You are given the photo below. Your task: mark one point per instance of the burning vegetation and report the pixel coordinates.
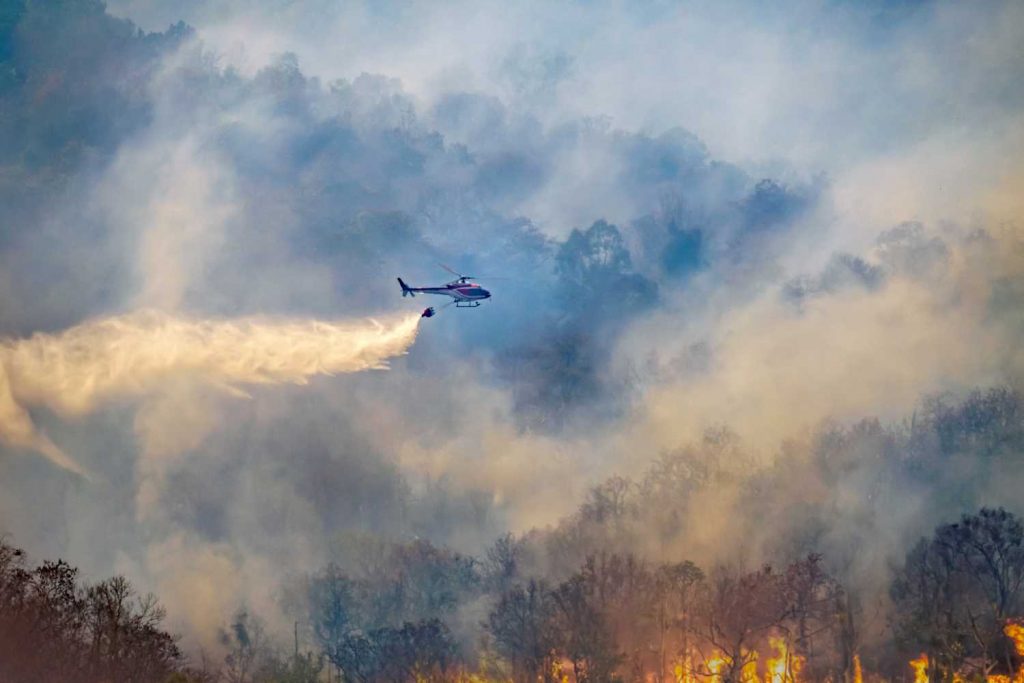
(404, 612)
(649, 580)
(135, 169)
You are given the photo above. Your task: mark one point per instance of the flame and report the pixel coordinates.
(683, 671)
(558, 673)
(714, 665)
(784, 667)
(748, 674)
(920, 667)
(858, 672)
(1014, 630)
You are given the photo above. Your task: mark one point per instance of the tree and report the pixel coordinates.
(54, 628)
(421, 651)
(416, 652)
(609, 501)
(584, 634)
(593, 268)
(986, 424)
(771, 204)
(298, 668)
(815, 600)
(956, 590)
(384, 627)
(622, 590)
(250, 654)
(522, 627)
(501, 565)
(431, 579)
(44, 626)
(333, 613)
(675, 588)
(736, 613)
(125, 642)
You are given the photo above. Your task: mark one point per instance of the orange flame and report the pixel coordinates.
(1014, 630)
(920, 667)
(558, 673)
(748, 674)
(714, 666)
(784, 667)
(683, 671)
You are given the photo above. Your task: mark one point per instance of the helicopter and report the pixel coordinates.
(465, 294)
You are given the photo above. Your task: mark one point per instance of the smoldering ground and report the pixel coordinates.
(660, 283)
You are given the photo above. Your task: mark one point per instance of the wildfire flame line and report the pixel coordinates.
(1013, 629)
(784, 667)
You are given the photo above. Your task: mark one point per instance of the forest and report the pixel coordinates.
(590, 599)
(876, 533)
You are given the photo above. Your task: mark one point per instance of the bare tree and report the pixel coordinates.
(737, 612)
(675, 588)
(250, 652)
(501, 564)
(54, 628)
(812, 597)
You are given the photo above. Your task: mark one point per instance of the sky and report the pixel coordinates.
(692, 216)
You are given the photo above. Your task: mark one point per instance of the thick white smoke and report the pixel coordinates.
(135, 354)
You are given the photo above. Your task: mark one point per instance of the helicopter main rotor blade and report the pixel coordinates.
(458, 274)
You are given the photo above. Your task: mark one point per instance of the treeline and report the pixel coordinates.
(621, 618)
(616, 618)
(607, 595)
(55, 628)
(958, 600)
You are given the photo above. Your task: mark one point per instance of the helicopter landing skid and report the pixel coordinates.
(466, 304)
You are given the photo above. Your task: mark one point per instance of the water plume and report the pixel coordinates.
(132, 355)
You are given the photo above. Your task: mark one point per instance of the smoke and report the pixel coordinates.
(136, 354)
(611, 344)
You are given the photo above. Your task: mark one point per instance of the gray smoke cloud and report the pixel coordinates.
(752, 217)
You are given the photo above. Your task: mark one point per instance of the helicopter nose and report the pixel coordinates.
(487, 294)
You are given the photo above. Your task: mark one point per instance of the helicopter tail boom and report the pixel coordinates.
(406, 290)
